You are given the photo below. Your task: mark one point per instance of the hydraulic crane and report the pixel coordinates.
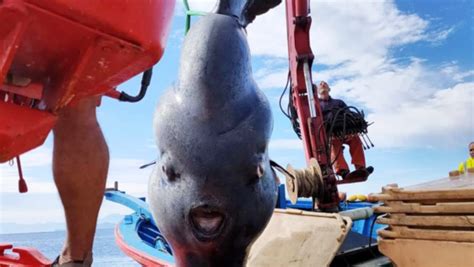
(319, 177)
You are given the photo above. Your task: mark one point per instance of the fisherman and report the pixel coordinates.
(80, 166)
(329, 106)
(469, 163)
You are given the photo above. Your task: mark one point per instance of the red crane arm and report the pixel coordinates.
(305, 98)
(301, 59)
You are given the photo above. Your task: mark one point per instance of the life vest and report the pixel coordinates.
(468, 164)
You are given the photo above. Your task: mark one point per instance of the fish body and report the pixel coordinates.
(213, 190)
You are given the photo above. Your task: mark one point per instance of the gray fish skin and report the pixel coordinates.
(213, 190)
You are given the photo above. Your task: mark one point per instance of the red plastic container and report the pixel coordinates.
(67, 50)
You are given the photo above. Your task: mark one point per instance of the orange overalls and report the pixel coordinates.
(354, 142)
(355, 149)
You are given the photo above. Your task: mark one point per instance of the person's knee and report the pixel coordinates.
(80, 114)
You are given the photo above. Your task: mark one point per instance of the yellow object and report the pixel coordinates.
(358, 197)
(469, 163)
(352, 198)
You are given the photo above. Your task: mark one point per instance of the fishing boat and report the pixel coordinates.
(138, 236)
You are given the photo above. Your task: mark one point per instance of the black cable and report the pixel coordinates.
(148, 164)
(364, 143)
(283, 93)
(370, 141)
(294, 115)
(371, 232)
(280, 168)
(146, 79)
(352, 122)
(351, 118)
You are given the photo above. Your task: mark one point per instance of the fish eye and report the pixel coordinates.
(170, 172)
(255, 177)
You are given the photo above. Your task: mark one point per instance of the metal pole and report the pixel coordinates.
(309, 89)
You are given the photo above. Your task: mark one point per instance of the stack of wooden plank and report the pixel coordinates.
(430, 224)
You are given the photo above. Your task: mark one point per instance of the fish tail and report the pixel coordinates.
(245, 10)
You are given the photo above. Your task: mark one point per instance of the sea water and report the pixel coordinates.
(106, 251)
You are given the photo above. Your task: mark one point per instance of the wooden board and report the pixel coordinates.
(431, 224)
(299, 238)
(457, 182)
(428, 253)
(426, 234)
(464, 195)
(420, 208)
(447, 189)
(429, 220)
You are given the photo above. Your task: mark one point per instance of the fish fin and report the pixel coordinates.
(245, 10)
(258, 7)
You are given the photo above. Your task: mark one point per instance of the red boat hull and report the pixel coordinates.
(139, 256)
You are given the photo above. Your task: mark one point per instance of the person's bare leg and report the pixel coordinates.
(80, 166)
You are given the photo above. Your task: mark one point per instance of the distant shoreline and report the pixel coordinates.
(23, 229)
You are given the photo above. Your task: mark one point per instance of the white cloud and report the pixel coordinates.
(42, 201)
(355, 41)
(452, 70)
(413, 105)
(444, 118)
(30, 207)
(127, 170)
(10, 185)
(412, 102)
(124, 170)
(44, 194)
(41, 156)
(375, 27)
(267, 78)
(136, 189)
(198, 5)
(8, 176)
(203, 5)
(286, 144)
(439, 36)
(341, 31)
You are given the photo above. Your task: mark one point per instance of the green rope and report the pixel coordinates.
(189, 14)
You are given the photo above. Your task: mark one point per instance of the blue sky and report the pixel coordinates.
(408, 64)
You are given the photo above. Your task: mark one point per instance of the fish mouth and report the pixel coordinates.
(207, 222)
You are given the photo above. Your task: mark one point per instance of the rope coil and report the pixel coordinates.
(304, 182)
